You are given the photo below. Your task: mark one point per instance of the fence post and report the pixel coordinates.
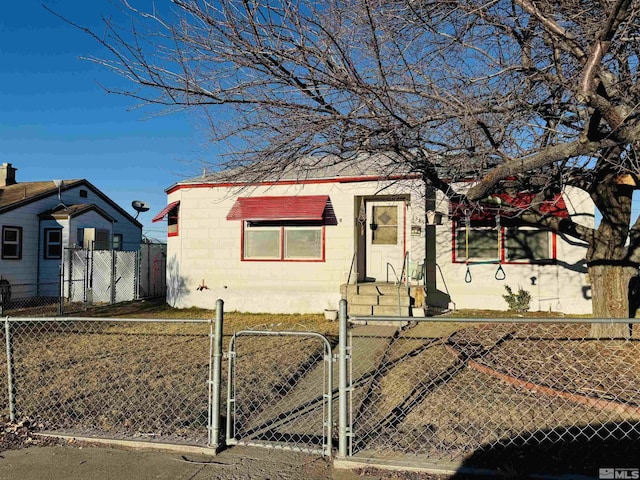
(113, 277)
(342, 380)
(215, 374)
(10, 369)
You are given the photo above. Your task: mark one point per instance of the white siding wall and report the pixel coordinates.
(26, 270)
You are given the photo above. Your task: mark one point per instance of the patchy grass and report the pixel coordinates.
(233, 321)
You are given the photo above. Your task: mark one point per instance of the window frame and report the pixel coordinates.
(18, 242)
(282, 227)
(173, 218)
(117, 242)
(458, 226)
(48, 243)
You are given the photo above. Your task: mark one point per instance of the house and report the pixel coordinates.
(41, 220)
(297, 244)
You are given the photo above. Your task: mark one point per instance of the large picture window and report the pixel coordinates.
(11, 243)
(517, 244)
(52, 243)
(283, 241)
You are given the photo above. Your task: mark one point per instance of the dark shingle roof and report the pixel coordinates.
(12, 196)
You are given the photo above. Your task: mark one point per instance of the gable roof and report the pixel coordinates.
(22, 193)
(70, 211)
(378, 166)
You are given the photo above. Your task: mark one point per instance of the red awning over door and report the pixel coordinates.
(305, 207)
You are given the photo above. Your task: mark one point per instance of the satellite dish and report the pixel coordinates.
(140, 206)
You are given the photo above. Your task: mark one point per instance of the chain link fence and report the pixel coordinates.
(276, 401)
(32, 299)
(119, 379)
(523, 396)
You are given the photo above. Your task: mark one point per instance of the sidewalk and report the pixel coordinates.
(99, 463)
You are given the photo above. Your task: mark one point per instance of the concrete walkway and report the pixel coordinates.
(300, 412)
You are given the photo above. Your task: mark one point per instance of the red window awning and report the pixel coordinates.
(163, 213)
(512, 205)
(304, 207)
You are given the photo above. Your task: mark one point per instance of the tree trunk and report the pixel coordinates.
(609, 290)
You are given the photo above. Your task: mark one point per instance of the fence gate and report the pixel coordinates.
(280, 391)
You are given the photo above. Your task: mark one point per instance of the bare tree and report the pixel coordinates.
(523, 94)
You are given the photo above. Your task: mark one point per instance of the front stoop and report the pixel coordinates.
(377, 299)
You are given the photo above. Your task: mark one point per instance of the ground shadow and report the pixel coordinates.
(577, 450)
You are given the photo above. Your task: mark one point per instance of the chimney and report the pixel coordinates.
(7, 175)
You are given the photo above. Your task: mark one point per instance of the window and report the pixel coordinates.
(171, 211)
(11, 243)
(84, 193)
(482, 244)
(117, 241)
(284, 241)
(172, 221)
(384, 225)
(52, 243)
(527, 244)
(101, 240)
(519, 244)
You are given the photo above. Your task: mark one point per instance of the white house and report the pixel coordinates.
(296, 244)
(39, 220)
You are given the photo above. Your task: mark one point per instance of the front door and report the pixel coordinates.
(385, 240)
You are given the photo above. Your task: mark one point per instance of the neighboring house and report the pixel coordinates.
(291, 244)
(39, 220)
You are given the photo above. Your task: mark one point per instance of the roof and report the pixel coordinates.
(363, 166)
(64, 211)
(22, 193)
(378, 166)
(303, 207)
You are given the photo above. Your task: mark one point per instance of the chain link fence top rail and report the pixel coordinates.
(115, 378)
(478, 392)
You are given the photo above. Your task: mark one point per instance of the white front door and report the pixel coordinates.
(385, 239)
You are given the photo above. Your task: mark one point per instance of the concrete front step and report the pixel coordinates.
(383, 299)
(390, 311)
(404, 300)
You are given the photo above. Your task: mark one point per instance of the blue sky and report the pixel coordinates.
(57, 122)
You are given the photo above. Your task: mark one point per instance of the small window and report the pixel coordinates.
(11, 243)
(52, 243)
(283, 241)
(172, 221)
(117, 241)
(385, 225)
(84, 193)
